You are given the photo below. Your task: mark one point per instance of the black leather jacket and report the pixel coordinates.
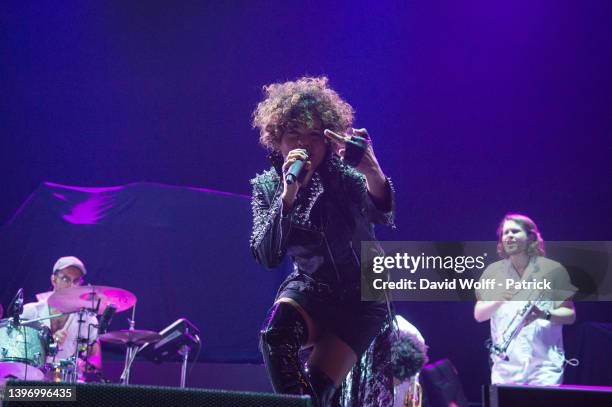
(323, 231)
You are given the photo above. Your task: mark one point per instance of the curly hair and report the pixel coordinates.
(299, 101)
(536, 246)
(407, 359)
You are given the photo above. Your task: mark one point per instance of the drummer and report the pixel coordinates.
(67, 272)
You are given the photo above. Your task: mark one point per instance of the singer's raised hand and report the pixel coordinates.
(290, 190)
(376, 181)
(368, 165)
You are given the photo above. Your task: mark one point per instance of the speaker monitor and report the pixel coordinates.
(110, 395)
(558, 396)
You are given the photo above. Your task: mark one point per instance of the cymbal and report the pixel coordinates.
(130, 337)
(87, 296)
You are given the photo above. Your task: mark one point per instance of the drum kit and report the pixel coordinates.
(27, 347)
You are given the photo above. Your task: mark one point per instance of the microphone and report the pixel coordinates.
(105, 319)
(296, 171)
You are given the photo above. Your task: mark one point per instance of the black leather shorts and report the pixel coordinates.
(339, 311)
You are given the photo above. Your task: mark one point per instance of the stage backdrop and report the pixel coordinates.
(182, 251)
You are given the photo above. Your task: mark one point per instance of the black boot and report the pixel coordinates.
(323, 386)
(282, 335)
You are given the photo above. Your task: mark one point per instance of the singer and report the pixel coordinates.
(319, 221)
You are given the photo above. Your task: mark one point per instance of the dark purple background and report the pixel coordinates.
(476, 109)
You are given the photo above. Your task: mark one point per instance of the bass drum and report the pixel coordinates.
(23, 350)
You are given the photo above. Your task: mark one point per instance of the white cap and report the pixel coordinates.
(69, 261)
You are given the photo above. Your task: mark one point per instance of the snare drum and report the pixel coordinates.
(23, 350)
(59, 371)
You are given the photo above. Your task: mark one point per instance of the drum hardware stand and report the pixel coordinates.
(184, 352)
(67, 369)
(130, 352)
(88, 348)
(74, 375)
(81, 343)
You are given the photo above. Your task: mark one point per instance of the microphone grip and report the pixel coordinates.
(294, 172)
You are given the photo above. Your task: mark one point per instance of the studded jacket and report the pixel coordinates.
(322, 232)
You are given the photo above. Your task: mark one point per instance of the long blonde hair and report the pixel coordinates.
(535, 247)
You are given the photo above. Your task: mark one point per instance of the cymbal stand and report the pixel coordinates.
(82, 343)
(130, 352)
(74, 376)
